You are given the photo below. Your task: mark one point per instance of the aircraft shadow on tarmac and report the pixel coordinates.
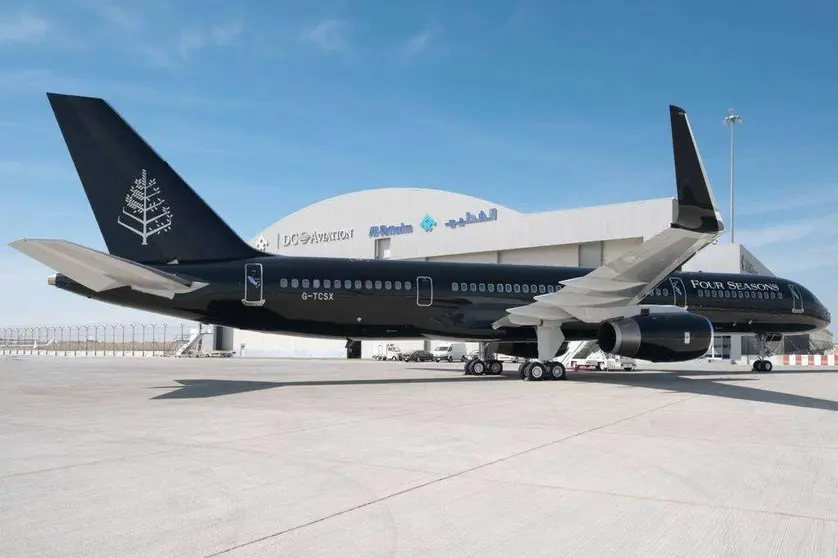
(681, 381)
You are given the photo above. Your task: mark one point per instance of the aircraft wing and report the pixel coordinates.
(615, 288)
(99, 271)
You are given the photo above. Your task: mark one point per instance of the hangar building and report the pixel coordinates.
(424, 224)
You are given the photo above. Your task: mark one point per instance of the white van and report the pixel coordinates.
(450, 352)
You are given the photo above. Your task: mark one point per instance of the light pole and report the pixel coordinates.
(731, 120)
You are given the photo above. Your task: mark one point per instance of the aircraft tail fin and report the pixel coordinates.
(146, 212)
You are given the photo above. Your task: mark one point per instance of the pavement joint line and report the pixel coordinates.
(445, 478)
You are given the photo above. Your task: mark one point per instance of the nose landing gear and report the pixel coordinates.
(764, 352)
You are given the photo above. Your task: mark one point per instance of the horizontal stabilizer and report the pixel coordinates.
(99, 271)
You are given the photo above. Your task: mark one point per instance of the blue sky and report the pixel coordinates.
(266, 107)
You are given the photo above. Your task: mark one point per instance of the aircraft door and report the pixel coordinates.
(424, 291)
(253, 285)
(796, 299)
(678, 291)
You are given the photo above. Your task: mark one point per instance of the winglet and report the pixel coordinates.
(697, 210)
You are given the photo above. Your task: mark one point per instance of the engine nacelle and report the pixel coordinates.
(665, 337)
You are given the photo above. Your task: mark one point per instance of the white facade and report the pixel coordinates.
(422, 224)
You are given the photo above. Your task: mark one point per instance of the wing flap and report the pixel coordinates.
(99, 271)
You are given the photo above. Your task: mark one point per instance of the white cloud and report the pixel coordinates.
(328, 36)
(222, 35)
(417, 43)
(22, 28)
(775, 232)
(800, 198)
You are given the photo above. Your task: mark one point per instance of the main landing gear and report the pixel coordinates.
(535, 371)
(762, 364)
(480, 367)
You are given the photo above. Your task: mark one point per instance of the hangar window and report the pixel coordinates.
(473, 287)
(398, 285)
(388, 285)
(455, 287)
(283, 283)
(527, 288)
(378, 285)
(491, 287)
(542, 290)
(482, 287)
(407, 285)
(368, 284)
(295, 283)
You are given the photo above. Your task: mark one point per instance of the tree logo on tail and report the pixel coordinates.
(145, 212)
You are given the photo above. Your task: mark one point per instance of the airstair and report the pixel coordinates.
(188, 346)
(578, 350)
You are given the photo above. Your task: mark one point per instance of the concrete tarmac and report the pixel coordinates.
(254, 457)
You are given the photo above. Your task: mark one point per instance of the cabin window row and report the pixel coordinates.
(770, 295)
(346, 284)
(502, 288)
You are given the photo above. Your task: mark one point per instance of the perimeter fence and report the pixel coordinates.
(114, 339)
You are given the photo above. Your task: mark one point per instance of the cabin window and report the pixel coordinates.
(780, 295)
(378, 285)
(407, 285)
(368, 284)
(491, 287)
(517, 288)
(283, 283)
(550, 288)
(455, 287)
(542, 290)
(388, 285)
(358, 283)
(295, 283)
(508, 288)
(463, 287)
(500, 287)
(701, 293)
(398, 285)
(527, 288)
(657, 292)
(473, 287)
(482, 287)
(315, 283)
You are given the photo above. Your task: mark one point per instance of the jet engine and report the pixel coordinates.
(665, 337)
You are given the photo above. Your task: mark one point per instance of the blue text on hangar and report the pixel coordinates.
(390, 230)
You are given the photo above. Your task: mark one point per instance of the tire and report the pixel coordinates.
(767, 366)
(496, 367)
(478, 368)
(557, 371)
(536, 372)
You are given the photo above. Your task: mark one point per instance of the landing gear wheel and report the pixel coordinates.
(467, 367)
(522, 370)
(557, 371)
(495, 367)
(535, 372)
(478, 367)
(767, 366)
